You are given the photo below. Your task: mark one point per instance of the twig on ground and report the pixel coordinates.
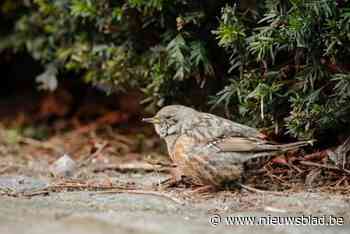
(4, 169)
(319, 155)
(312, 176)
(340, 181)
(38, 144)
(274, 209)
(251, 189)
(36, 193)
(144, 167)
(83, 185)
(307, 163)
(295, 168)
(70, 185)
(142, 192)
(88, 159)
(118, 137)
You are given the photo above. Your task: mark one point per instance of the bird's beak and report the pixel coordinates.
(153, 120)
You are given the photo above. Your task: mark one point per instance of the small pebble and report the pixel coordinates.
(63, 167)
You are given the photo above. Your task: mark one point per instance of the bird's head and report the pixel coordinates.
(170, 119)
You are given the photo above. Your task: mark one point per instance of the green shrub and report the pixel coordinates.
(278, 64)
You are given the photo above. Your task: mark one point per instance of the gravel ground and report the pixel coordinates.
(91, 212)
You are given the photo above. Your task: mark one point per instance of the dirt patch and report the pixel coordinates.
(130, 166)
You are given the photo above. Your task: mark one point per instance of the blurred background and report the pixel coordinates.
(77, 76)
(80, 65)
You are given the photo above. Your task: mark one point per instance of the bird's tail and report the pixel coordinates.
(294, 145)
(286, 147)
(273, 150)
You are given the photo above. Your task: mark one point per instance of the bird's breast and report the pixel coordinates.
(181, 148)
(181, 154)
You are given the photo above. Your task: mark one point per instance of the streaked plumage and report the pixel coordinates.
(210, 149)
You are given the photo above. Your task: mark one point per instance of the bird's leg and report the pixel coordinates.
(176, 174)
(203, 189)
(176, 177)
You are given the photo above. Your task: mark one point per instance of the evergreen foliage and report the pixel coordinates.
(278, 64)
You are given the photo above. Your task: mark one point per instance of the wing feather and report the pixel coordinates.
(235, 144)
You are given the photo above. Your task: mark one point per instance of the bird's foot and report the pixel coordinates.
(204, 189)
(172, 182)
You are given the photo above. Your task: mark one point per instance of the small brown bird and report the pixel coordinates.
(210, 149)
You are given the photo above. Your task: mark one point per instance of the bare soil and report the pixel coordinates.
(115, 189)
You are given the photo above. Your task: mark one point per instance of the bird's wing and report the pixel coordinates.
(244, 144)
(226, 127)
(207, 128)
(236, 144)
